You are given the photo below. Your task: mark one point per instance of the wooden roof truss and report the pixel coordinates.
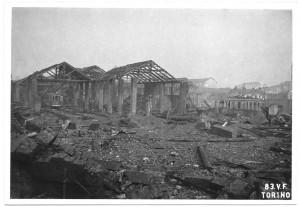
(144, 72)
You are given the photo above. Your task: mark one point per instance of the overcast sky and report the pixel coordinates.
(232, 46)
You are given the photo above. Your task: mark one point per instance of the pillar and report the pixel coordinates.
(80, 96)
(109, 95)
(32, 91)
(161, 97)
(87, 95)
(29, 92)
(133, 96)
(17, 92)
(76, 93)
(183, 87)
(36, 100)
(93, 94)
(147, 96)
(120, 95)
(100, 95)
(114, 91)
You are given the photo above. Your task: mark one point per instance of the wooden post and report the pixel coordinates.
(161, 97)
(109, 92)
(101, 97)
(120, 95)
(133, 97)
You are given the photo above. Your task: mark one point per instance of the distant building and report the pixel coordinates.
(205, 82)
(283, 100)
(280, 88)
(249, 85)
(246, 93)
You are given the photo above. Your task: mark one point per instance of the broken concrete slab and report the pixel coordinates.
(258, 119)
(16, 141)
(71, 125)
(45, 137)
(146, 178)
(110, 165)
(203, 125)
(55, 167)
(33, 125)
(111, 186)
(225, 131)
(222, 182)
(99, 172)
(239, 189)
(25, 150)
(270, 174)
(146, 192)
(204, 183)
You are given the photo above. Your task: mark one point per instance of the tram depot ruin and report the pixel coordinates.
(106, 89)
(137, 132)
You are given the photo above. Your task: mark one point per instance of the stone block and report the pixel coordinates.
(225, 131)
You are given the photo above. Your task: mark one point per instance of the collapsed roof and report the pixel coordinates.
(93, 72)
(61, 71)
(144, 72)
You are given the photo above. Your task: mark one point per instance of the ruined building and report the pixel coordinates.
(140, 85)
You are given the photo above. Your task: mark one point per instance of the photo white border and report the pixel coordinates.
(192, 4)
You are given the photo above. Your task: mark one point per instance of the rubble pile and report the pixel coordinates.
(211, 154)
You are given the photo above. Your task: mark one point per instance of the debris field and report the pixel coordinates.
(71, 152)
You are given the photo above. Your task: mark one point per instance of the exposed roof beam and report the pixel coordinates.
(62, 80)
